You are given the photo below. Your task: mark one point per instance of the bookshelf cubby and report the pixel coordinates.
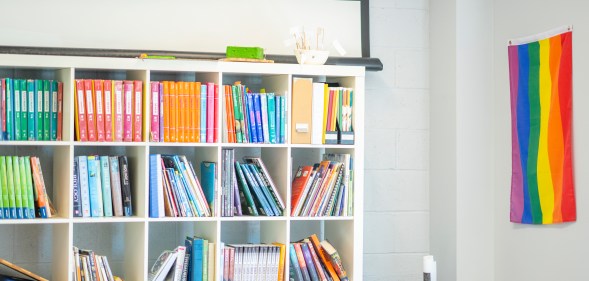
(133, 243)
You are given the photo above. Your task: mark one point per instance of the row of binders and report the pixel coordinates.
(253, 262)
(108, 110)
(184, 112)
(175, 190)
(324, 189)
(247, 188)
(22, 188)
(91, 267)
(253, 117)
(321, 114)
(102, 186)
(314, 260)
(31, 109)
(195, 261)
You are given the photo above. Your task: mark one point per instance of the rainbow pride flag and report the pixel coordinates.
(542, 183)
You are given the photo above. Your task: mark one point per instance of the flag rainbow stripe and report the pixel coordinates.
(542, 186)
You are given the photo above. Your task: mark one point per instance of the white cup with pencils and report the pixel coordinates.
(309, 46)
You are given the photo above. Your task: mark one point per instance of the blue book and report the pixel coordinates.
(84, 189)
(31, 109)
(96, 206)
(106, 187)
(77, 198)
(251, 114)
(180, 192)
(282, 112)
(197, 259)
(182, 171)
(188, 244)
(9, 109)
(46, 128)
(208, 172)
(155, 186)
(295, 268)
(24, 109)
(53, 127)
(203, 113)
(271, 117)
(309, 262)
(259, 196)
(258, 113)
(38, 110)
(256, 173)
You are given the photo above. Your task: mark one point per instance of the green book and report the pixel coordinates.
(53, 127)
(11, 189)
(4, 187)
(26, 164)
(251, 205)
(17, 187)
(238, 116)
(23, 110)
(23, 186)
(47, 109)
(9, 110)
(205, 259)
(31, 109)
(17, 104)
(39, 110)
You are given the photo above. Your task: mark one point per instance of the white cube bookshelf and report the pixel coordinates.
(133, 243)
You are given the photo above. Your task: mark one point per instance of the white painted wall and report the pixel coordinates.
(541, 253)
(396, 228)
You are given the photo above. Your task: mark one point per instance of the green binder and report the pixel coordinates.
(46, 109)
(28, 179)
(31, 109)
(17, 104)
(39, 110)
(23, 109)
(17, 187)
(11, 189)
(53, 127)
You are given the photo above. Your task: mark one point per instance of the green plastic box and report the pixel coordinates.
(245, 52)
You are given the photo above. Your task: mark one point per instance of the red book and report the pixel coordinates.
(210, 111)
(119, 104)
(99, 95)
(59, 110)
(216, 116)
(108, 116)
(128, 111)
(167, 114)
(137, 111)
(155, 113)
(229, 115)
(298, 187)
(90, 110)
(81, 129)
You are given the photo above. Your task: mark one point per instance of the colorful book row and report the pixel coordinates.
(314, 260)
(245, 262)
(184, 112)
(91, 267)
(108, 110)
(31, 109)
(324, 189)
(175, 190)
(247, 188)
(22, 188)
(253, 117)
(321, 114)
(102, 186)
(194, 261)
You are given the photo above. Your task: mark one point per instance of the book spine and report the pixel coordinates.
(197, 111)
(205, 260)
(108, 110)
(283, 119)
(161, 111)
(192, 111)
(270, 117)
(80, 121)
(173, 112)
(60, 111)
(252, 117)
(84, 188)
(301, 260)
(264, 188)
(96, 206)
(237, 117)
(264, 112)
(125, 186)
(210, 111)
(245, 189)
(23, 110)
(54, 107)
(99, 97)
(197, 259)
(179, 264)
(3, 112)
(119, 104)
(264, 206)
(208, 173)
(155, 186)
(277, 117)
(128, 111)
(26, 206)
(106, 187)
(47, 109)
(236, 195)
(4, 182)
(203, 112)
(166, 111)
(309, 262)
(181, 111)
(43, 199)
(9, 109)
(321, 274)
(90, 110)
(29, 186)
(18, 192)
(216, 115)
(77, 200)
(296, 272)
(11, 188)
(115, 182)
(137, 111)
(17, 110)
(155, 113)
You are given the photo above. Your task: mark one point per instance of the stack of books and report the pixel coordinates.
(194, 261)
(241, 262)
(174, 188)
(324, 189)
(22, 194)
(314, 260)
(102, 186)
(31, 109)
(253, 117)
(184, 112)
(91, 267)
(108, 110)
(247, 188)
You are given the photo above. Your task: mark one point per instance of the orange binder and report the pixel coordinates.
(191, 112)
(181, 108)
(197, 111)
(302, 106)
(324, 259)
